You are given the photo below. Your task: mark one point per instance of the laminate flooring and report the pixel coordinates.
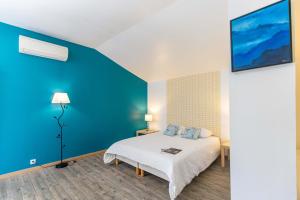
(91, 179)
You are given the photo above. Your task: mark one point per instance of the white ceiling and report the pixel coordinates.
(154, 39)
(86, 22)
(188, 37)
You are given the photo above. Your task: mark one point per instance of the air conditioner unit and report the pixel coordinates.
(40, 48)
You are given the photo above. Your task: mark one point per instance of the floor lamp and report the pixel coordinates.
(62, 99)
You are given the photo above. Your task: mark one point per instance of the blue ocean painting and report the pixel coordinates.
(262, 38)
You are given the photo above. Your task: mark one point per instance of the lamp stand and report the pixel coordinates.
(60, 136)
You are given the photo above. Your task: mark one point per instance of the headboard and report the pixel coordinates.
(195, 101)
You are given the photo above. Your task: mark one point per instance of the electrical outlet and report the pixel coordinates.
(32, 161)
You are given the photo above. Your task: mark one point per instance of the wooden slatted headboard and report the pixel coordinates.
(195, 101)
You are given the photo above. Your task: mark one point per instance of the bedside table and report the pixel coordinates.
(145, 132)
(225, 146)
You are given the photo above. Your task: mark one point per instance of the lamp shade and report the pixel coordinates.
(148, 118)
(60, 97)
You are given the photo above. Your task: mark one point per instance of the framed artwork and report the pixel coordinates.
(262, 38)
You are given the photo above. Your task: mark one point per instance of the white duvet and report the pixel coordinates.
(195, 157)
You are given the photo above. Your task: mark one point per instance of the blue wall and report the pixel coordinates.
(108, 103)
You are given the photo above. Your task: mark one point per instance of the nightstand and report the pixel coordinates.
(225, 147)
(145, 132)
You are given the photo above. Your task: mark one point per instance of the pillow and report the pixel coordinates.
(171, 130)
(191, 133)
(181, 130)
(204, 133)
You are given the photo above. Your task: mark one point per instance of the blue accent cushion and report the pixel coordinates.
(191, 133)
(171, 130)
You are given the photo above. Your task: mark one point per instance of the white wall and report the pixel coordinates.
(157, 104)
(225, 124)
(263, 129)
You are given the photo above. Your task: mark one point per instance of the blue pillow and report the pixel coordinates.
(171, 130)
(191, 133)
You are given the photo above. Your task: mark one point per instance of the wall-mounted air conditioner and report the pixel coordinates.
(40, 48)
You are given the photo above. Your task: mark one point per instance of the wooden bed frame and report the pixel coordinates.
(140, 168)
(138, 171)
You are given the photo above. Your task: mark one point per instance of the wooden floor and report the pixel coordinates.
(90, 179)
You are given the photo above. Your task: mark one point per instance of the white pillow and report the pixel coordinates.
(181, 130)
(204, 133)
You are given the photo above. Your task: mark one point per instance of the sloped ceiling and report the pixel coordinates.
(154, 39)
(86, 22)
(188, 37)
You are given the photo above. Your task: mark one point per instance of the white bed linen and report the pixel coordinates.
(195, 157)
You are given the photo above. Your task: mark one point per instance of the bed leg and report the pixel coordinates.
(142, 173)
(116, 162)
(137, 171)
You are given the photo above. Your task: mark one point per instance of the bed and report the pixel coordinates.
(144, 153)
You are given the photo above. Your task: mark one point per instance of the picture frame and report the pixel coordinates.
(259, 39)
